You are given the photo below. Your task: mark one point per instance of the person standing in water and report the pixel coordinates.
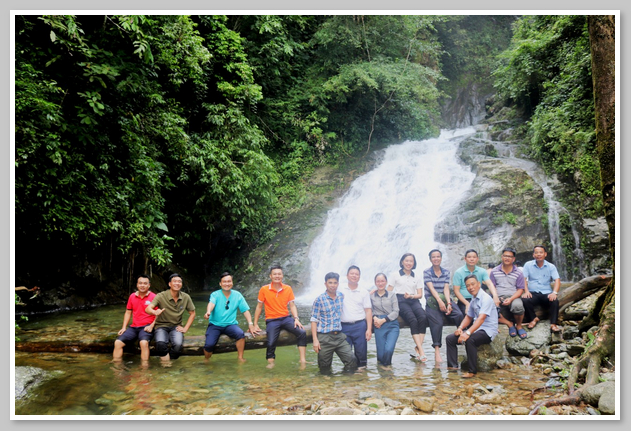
(385, 313)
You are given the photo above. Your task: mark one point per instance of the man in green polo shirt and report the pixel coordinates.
(471, 258)
(168, 325)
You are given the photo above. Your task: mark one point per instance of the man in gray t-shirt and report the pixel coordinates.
(509, 283)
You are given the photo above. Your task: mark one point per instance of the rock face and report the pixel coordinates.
(27, 378)
(488, 355)
(538, 337)
(505, 207)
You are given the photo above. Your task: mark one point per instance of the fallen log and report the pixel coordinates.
(584, 288)
(193, 344)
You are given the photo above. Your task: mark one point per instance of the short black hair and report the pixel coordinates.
(275, 266)
(172, 276)
(470, 276)
(433, 250)
(330, 275)
(381, 273)
(539, 246)
(353, 267)
(403, 258)
(511, 249)
(225, 274)
(471, 250)
(143, 276)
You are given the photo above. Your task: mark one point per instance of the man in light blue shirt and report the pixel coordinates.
(539, 273)
(221, 313)
(482, 316)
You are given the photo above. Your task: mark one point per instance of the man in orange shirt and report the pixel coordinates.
(275, 297)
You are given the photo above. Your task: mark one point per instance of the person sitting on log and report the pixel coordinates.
(509, 283)
(141, 323)
(169, 307)
(539, 273)
(471, 260)
(482, 316)
(326, 327)
(221, 313)
(438, 300)
(276, 297)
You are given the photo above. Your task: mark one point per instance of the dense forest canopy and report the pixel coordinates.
(151, 140)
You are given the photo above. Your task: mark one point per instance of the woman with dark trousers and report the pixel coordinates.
(438, 299)
(409, 289)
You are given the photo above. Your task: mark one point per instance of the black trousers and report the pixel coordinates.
(413, 315)
(476, 339)
(542, 300)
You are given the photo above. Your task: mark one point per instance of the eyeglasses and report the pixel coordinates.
(228, 305)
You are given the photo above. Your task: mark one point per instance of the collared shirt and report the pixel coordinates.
(220, 316)
(386, 305)
(403, 283)
(539, 279)
(328, 312)
(507, 284)
(173, 311)
(276, 301)
(137, 305)
(439, 281)
(462, 272)
(483, 304)
(355, 304)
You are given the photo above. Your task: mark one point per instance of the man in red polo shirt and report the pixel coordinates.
(275, 297)
(142, 323)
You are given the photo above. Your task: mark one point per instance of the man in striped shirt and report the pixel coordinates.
(326, 327)
(509, 283)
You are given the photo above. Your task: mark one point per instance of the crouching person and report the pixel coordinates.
(222, 317)
(168, 325)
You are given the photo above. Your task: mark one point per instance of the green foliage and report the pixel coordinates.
(547, 72)
(505, 217)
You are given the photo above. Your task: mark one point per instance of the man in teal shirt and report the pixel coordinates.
(222, 317)
(470, 268)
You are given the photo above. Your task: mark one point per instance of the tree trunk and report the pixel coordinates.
(603, 52)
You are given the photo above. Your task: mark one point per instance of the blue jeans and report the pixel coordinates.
(213, 332)
(273, 327)
(165, 335)
(386, 338)
(356, 337)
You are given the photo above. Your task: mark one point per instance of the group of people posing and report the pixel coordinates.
(344, 318)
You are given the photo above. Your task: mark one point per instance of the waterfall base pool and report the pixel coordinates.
(91, 384)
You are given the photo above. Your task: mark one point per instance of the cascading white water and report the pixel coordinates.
(391, 210)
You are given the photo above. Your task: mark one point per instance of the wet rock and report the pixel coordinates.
(386, 412)
(519, 410)
(491, 398)
(260, 411)
(340, 411)
(607, 401)
(392, 403)
(592, 394)
(407, 412)
(212, 411)
(27, 378)
(425, 404)
(365, 394)
(592, 411)
(538, 337)
(375, 403)
(608, 377)
(489, 354)
(103, 402)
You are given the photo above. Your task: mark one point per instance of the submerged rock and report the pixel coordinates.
(27, 378)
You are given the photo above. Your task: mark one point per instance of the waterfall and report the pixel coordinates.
(391, 210)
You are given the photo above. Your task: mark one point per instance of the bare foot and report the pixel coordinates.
(437, 358)
(533, 323)
(468, 375)
(270, 364)
(241, 359)
(555, 328)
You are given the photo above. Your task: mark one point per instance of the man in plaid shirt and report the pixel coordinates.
(326, 327)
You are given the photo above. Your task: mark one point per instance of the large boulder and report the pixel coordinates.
(592, 394)
(488, 355)
(538, 337)
(27, 378)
